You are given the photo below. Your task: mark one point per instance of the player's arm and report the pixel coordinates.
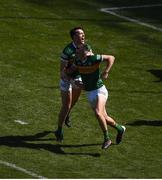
(67, 71)
(63, 66)
(109, 59)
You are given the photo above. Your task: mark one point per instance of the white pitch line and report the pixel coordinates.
(133, 7)
(20, 122)
(13, 166)
(109, 10)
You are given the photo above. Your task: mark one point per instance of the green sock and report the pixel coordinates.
(118, 127)
(106, 135)
(60, 130)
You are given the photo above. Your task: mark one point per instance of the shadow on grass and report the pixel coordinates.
(157, 73)
(22, 142)
(145, 123)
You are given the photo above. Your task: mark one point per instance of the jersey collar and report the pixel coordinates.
(74, 44)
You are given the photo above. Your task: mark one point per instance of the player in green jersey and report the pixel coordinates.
(69, 91)
(92, 79)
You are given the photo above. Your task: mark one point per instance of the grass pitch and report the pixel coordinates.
(32, 35)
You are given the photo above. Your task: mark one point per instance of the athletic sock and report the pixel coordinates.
(60, 130)
(118, 127)
(106, 135)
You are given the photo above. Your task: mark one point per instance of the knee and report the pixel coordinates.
(98, 113)
(66, 106)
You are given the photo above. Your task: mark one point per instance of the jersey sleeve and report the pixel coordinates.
(99, 58)
(68, 53)
(65, 55)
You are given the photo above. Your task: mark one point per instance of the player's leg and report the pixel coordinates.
(99, 111)
(75, 96)
(66, 100)
(76, 91)
(120, 129)
(98, 102)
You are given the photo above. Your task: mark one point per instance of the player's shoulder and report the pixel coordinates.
(69, 48)
(88, 46)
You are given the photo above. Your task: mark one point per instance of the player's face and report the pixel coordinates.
(81, 52)
(79, 37)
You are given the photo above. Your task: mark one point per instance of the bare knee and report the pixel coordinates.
(75, 96)
(110, 121)
(98, 113)
(66, 107)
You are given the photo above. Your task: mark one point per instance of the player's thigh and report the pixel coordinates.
(76, 90)
(100, 103)
(65, 85)
(66, 97)
(98, 98)
(66, 91)
(75, 94)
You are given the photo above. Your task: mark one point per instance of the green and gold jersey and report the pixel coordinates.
(89, 71)
(68, 55)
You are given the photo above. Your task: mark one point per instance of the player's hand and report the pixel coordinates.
(104, 75)
(79, 84)
(89, 53)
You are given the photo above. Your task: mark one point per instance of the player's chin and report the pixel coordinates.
(82, 41)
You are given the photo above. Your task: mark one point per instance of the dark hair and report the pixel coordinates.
(73, 31)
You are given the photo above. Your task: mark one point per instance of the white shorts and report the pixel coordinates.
(92, 95)
(66, 85)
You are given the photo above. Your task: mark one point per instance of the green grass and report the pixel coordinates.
(32, 35)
